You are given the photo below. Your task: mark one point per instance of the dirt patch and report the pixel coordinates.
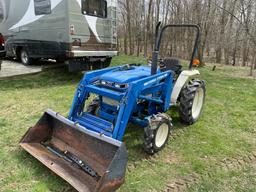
(241, 72)
(170, 157)
(237, 163)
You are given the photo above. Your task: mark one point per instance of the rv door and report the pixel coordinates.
(99, 10)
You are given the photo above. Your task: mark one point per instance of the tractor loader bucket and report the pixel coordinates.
(88, 161)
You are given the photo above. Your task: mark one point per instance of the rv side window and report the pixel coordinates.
(42, 7)
(97, 8)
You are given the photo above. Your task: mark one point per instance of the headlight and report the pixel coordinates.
(121, 86)
(117, 86)
(103, 82)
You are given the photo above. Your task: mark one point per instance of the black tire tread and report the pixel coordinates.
(148, 142)
(149, 137)
(186, 100)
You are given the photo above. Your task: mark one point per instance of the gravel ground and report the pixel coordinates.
(11, 68)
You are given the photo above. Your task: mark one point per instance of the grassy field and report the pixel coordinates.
(227, 130)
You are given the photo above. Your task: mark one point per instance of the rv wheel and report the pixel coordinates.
(25, 59)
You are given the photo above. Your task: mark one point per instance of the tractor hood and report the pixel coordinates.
(124, 75)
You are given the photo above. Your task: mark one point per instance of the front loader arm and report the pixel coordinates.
(134, 93)
(81, 92)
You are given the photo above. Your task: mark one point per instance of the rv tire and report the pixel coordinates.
(24, 57)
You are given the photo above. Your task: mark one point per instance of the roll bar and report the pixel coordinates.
(158, 39)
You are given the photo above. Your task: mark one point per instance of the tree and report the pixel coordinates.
(228, 29)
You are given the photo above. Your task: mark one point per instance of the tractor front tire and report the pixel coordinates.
(156, 138)
(192, 99)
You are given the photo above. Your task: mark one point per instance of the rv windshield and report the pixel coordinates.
(97, 8)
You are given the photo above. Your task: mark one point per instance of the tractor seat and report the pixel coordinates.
(171, 63)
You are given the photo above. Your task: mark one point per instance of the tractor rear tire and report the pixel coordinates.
(192, 100)
(155, 139)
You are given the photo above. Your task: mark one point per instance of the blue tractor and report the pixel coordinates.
(89, 142)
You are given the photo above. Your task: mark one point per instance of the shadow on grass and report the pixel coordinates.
(53, 77)
(134, 136)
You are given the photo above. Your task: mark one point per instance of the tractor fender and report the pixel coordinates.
(181, 81)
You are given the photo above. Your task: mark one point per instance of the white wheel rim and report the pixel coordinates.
(161, 135)
(24, 57)
(198, 103)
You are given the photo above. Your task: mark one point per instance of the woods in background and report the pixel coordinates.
(228, 29)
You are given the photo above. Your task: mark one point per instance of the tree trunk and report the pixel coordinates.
(147, 33)
(223, 21)
(234, 55)
(218, 55)
(129, 26)
(125, 45)
(226, 54)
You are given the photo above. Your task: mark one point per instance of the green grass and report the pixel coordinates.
(227, 129)
(232, 180)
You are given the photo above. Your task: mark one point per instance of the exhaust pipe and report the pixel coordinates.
(90, 162)
(156, 51)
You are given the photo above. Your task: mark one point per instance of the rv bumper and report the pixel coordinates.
(93, 53)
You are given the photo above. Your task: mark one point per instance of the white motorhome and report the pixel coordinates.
(80, 32)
